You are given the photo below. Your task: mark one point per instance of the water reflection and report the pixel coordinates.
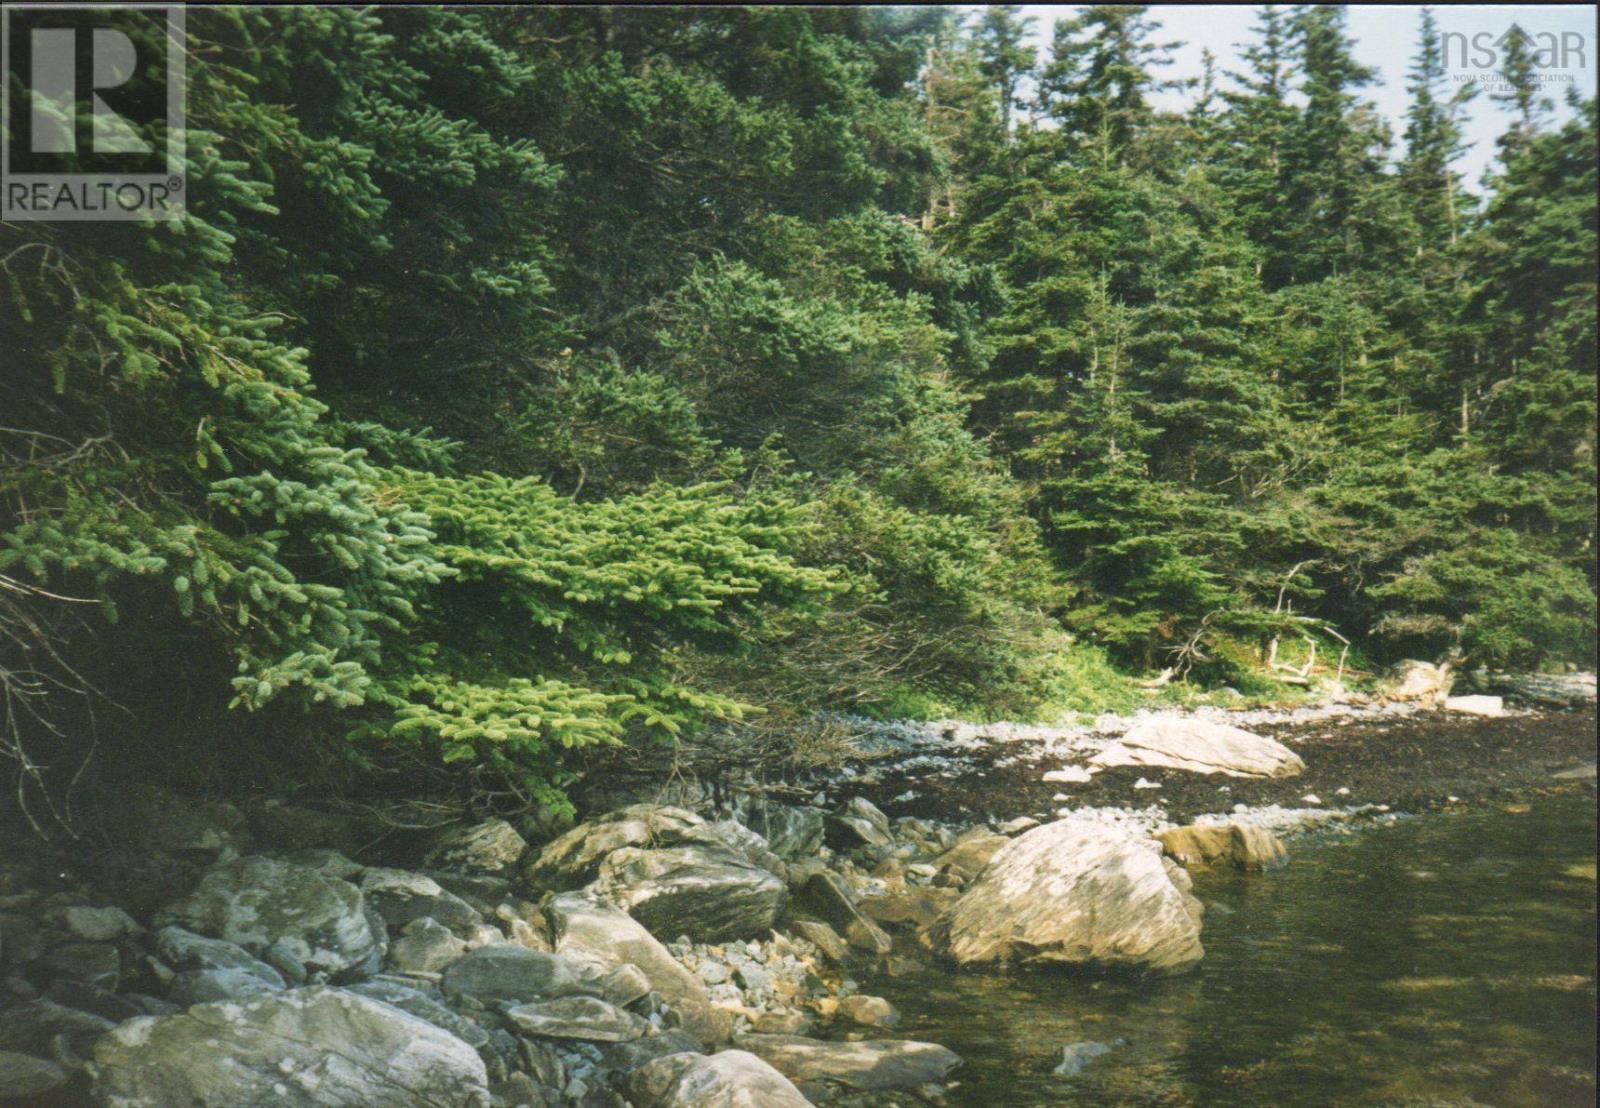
(1445, 960)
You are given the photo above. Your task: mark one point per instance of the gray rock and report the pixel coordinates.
(265, 904)
(706, 892)
(425, 946)
(399, 897)
(1564, 690)
(732, 1079)
(1076, 892)
(35, 1026)
(861, 1067)
(586, 927)
(577, 1017)
(163, 820)
(24, 1077)
(206, 986)
(509, 972)
(574, 858)
(791, 831)
(187, 952)
(315, 1047)
(620, 1058)
(424, 1004)
(92, 963)
(492, 847)
(100, 925)
(859, 823)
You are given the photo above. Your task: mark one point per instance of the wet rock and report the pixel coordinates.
(584, 926)
(509, 972)
(859, 823)
(1076, 892)
(399, 897)
(1075, 1056)
(273, 907)
(868, 1011)
(316, 1047)
(861, 1067)
(706, 892)
(731, 1079)
(1200, 746)
(826, 895)
(1489, 707)
(26, 1078)
(577, 1017)
(1244, 847)
(492, 847)
(574, 859)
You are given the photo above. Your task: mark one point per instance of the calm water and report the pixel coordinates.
(1444, 960)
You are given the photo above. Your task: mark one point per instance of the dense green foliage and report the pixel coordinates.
(530, 379)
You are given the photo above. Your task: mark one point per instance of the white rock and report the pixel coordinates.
(1143, 784)
(1311, 798)
(1200, 746)
(1490, 707)
(1068, 775)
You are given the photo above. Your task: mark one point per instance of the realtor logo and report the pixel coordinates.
(92, 112)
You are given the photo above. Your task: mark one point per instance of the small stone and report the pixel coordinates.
(1311, 798)
(1144, 784)
(712, 973)
(1068, 775)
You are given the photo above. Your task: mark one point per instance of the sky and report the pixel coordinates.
(1385, 39)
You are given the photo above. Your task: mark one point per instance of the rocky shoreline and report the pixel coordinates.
(232, 952)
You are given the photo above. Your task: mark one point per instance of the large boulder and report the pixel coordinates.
(1234, 844)
(315, 1047)
(585, 1018)
(573, 860)
(212, 969)
(264, 903)
(426, 1004)
(584, 926)
(1079, 893)
(732, 1079)
(859, 1067)
(1200, 746)
(706, 892)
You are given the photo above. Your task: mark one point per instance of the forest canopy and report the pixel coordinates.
(530, 379)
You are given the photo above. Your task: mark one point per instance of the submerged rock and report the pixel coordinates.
(1200, 746)
(315, 1047)
(1075, 892)
(861, 1067)
(706, 892)
(266, 904)
(1075, 1056)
